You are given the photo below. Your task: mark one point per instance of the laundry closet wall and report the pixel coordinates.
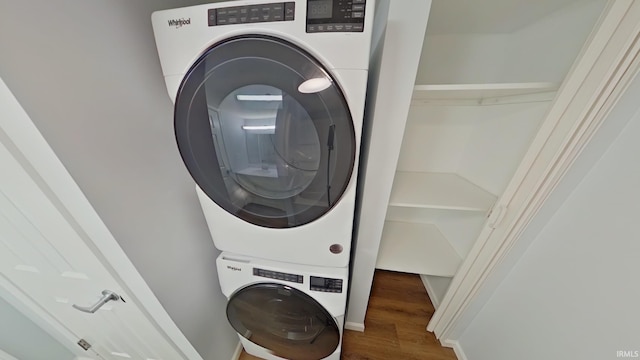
(88, 75)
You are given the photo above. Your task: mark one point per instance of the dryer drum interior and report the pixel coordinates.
(265, 131)
(284, 320)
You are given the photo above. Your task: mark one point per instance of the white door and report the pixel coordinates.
(49, 261)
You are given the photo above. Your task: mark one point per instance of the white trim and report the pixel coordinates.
(455, 345)
(5, 356)
(604, 70)
(354, 326)
(237, 352)
(430, 291)
(53, 178)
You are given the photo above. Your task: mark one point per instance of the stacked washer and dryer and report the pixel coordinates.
(269, 100)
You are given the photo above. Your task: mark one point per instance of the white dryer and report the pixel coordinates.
(284, 311)
(269, 100)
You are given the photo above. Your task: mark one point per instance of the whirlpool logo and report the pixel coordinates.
(178, 23)
(233, 268)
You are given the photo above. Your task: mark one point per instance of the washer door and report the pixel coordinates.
(265, 131)
(283, 320)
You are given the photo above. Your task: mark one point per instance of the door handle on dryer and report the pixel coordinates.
(107, 295)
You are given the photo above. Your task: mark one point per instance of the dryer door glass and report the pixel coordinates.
(265, 131)
(283, 320)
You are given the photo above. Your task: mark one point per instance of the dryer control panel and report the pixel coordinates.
(335, 15)
(282, 11)
(325, 284)
(278, 275)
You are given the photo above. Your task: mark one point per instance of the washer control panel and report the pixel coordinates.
(283, 11)
(278, 275)
(335, 15)
(325, 284)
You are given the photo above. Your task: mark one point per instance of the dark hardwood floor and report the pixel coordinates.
(398, 313)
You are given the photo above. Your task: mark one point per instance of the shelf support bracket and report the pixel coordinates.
(498, 214)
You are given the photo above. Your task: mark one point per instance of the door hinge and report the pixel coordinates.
(497, 213)
(84, 344)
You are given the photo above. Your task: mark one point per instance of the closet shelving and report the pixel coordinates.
(484, 94)
(412, 240)
(416, 248)
(482, 91)
(446, 191)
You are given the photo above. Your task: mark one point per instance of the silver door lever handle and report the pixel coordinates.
(107, 295)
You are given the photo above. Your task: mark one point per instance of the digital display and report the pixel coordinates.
(320, 9)
(325, 284)
(316, 281)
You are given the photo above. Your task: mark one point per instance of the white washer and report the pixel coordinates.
(269, 100)
(284, 311)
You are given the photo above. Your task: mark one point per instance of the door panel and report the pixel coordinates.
(284, 320)
(265, 131)
(45, 258)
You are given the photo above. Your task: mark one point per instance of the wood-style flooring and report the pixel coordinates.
(398, 313)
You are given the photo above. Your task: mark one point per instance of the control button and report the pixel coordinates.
(232, 20)
(254, 13)
(359, 1)
(339, 27)
(359, 7)
(358, 27)
(212, 17)
(320, 27)
(265, 13)
(357, 14)
(348, 27)
(289, 10)
(330, 28)
(311, 28)
(277, 12)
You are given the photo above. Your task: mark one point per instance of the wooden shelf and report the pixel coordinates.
(480, 94)
(438, 191)
(416, 248)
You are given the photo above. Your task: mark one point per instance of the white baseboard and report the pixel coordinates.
(354, 326)
(238, 352)
(455, 345)
(430, 291)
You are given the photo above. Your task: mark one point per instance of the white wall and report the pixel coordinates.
(541, 51)
(391, 78)
(573, 293)
(88, 75)
(18, 335)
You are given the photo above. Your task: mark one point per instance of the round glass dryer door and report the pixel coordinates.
(283, 320)
(265, 131)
